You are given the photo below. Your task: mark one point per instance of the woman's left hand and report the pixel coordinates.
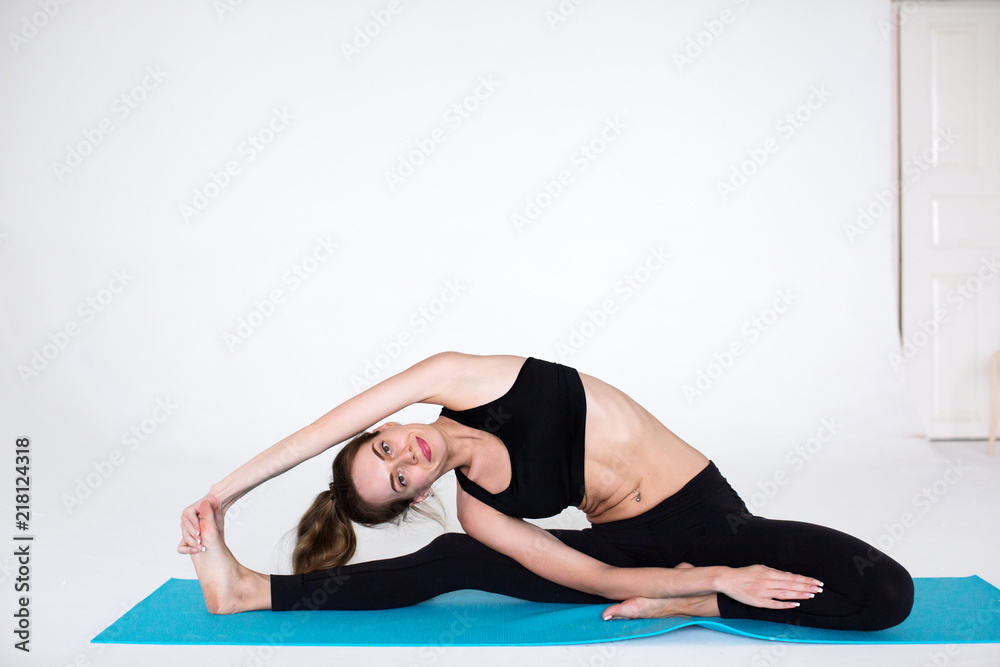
(190, 536)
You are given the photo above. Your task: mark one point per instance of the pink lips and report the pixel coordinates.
(424, 447)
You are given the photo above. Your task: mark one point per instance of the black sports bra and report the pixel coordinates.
(541, 420)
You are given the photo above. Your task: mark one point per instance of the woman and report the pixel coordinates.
(526, 439)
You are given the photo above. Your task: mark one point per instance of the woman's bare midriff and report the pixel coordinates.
(630, 454)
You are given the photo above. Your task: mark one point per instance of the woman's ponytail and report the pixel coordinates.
(326, 536)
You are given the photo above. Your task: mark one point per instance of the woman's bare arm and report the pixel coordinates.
(425, 382)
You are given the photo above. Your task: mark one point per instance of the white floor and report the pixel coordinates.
(857, 491)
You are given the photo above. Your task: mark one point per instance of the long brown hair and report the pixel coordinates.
(325, 537)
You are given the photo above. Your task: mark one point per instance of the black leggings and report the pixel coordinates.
(705, 523)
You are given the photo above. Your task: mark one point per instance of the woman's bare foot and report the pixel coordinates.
(699, 605)
(228, 587)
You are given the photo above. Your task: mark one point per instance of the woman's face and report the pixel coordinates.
(401, 461)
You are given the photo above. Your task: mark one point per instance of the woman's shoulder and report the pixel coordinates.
(473, 380)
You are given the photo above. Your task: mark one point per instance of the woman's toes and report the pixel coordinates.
(631, 608)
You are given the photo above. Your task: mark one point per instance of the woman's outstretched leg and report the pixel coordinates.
(228, 587)
(450, 562)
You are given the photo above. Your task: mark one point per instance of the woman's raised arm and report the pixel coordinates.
(424, 382)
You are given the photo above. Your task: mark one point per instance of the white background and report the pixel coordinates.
(89, 191)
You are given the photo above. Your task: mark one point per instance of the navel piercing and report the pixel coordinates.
(638, 496)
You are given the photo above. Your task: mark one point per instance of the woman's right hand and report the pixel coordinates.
(762, 586)
(190, 531)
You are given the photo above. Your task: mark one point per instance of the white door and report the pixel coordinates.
(949, 57)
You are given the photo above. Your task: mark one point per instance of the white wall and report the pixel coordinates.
(682, 131)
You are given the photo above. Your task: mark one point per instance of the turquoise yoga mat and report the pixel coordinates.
(945, 611)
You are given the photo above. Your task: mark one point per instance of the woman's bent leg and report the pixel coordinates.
(706, 523)
(863, 589)
(450, 562)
